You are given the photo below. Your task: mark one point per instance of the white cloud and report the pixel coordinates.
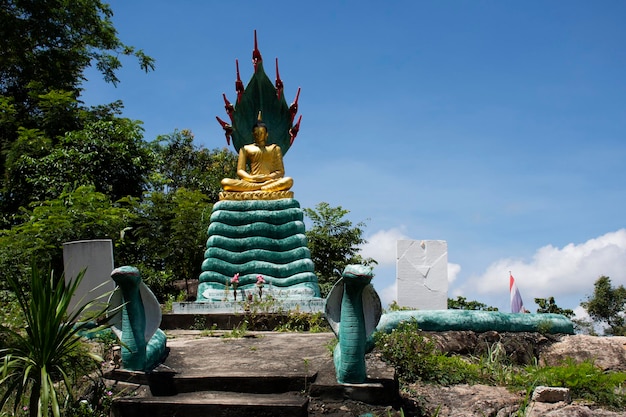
(388, 294)
(581, 314)
(382, 246)
(453, 272)
(558, 272)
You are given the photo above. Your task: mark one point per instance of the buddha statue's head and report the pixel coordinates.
(259, 132)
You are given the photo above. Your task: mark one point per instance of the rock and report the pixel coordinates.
(522, 348)
(609, 353)
(551, 395)
(459, 342)
(566, 410)
(466, 400)
(483, 400)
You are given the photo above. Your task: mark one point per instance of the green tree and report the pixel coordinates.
(334, 243)
(187, 240)
(46, 45)
(75, 215)
(109, 154)
(162, 230)
(182, 164)
(606, 306)
(548, 305)
(461, 303)
(167, 237)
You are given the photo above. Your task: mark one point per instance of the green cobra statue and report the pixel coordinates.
(136, 324)
(353, 309)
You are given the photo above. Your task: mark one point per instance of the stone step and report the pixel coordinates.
(212, 403)
(165, 382)
(265, 384)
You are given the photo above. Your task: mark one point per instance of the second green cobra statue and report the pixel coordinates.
(353, 309)
(137, 324)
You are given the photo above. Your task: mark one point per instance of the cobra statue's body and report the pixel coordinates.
(477, 321)
(136, 326)
(353, 310)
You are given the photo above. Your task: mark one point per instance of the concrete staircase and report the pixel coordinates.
(262, 374)
(256, 393)
(257, 375)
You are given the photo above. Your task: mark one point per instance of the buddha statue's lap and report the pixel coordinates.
(259, 166)
(282, 184)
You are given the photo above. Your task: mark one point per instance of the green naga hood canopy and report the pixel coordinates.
(260, 97)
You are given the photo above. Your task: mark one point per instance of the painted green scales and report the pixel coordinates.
(257, 237)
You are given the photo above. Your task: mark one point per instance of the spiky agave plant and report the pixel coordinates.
(36, 360)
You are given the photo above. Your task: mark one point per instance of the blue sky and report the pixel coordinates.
(497, 126)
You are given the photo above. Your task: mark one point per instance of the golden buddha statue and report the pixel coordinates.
(259, 167)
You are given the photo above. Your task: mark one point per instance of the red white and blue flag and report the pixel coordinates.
(517, 305)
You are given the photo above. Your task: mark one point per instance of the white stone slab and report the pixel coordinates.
(278, 293)
(311, 305)
(96, 258)
(422, 274)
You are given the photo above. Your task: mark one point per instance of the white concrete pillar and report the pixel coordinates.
(422, 274)
(96, 258)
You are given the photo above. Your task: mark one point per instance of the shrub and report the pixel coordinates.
(416, 358)
(42, 360)
(298, 321)
(585, 381)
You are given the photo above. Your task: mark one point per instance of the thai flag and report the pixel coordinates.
(517, 305)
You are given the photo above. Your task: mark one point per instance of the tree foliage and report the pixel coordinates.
(167, 237)
(461, 303)
(334, 242)
(75, 215)
(181, 164)
(71, 172)
(548, 305)
(161, 230)
(111, 155)
(606, 306)
(46, 46)
(47, 137)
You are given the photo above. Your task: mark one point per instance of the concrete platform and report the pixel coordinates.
(280, 368)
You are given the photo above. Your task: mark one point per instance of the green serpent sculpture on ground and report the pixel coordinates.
(137, 323)
(477, 321)
(353, 309)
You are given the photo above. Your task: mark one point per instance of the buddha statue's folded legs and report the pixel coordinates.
(281, 184)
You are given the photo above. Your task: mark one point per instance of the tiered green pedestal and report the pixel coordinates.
(252, 238)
